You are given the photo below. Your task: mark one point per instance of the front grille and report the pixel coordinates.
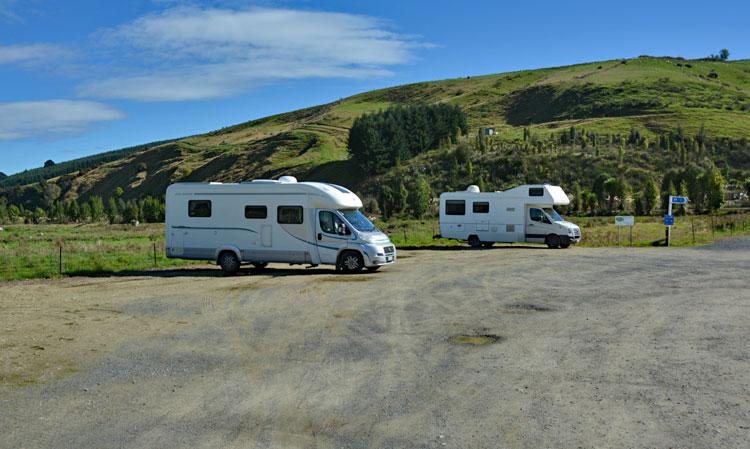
(388, 249)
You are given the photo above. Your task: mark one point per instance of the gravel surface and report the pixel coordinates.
(509, 347)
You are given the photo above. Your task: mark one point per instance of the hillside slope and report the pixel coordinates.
(654, 95)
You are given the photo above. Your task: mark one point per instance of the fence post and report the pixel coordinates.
(692, 226)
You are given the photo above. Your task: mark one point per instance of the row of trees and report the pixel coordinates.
(383, 139)
(115, 210)
(704, 187)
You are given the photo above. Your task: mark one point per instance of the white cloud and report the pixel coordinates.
(190, 53)
(31, 54)
(36, 119)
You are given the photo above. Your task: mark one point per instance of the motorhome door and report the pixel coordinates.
(332, 235)
(537, 225)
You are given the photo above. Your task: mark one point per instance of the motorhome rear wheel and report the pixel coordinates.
(229, 262)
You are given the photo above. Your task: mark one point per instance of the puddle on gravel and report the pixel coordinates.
(475, 340)
(523, 307)
(348, 278)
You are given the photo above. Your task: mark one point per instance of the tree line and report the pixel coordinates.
(114, 211)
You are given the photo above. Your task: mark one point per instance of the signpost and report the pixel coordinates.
(625, 220)
(669, 218)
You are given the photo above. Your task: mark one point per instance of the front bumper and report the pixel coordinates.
(378, 255)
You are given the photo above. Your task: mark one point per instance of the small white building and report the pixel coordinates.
(521, 214)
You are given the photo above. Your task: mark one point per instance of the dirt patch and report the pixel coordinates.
(475, 340)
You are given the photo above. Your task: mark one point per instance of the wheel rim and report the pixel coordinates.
(351, 262)
(228, 262)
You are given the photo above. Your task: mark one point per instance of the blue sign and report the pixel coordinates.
(669, 220)
(679, 200)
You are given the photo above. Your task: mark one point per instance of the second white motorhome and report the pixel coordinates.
(521, 214)
(273, 221)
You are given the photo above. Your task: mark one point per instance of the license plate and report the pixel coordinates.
(389, 259)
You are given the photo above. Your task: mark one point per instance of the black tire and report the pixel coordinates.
(564, 242)
(351, 262)
(229, 262)
(553, 241)
(474, 241)
(373, 269)
(488, 244)
(260, 265)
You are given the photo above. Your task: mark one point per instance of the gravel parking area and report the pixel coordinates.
(506, 347)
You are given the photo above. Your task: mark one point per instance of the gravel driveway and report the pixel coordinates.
(515, 347)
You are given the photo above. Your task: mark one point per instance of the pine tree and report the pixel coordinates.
(714, 189)
(420, 198)
(97, 208)
(113, 211)
(86, 212)
(73, 211)
(402, 197)
(577, 198)
(650, 196)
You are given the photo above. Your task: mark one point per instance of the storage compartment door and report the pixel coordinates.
(265, 235)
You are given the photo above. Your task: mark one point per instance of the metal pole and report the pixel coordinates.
(669, 212)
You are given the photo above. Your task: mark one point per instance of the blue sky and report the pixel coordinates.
(78, 77)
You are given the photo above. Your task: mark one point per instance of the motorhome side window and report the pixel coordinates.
(256, 212)
(455, 207)
(289, 214)
(536, 191)
(199, 208)
(482, 207)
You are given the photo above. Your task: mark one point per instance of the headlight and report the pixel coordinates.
(369, 238)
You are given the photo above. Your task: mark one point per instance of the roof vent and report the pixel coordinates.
(473, 189)
(287, 179)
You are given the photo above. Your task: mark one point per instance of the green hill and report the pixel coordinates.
(604, 102)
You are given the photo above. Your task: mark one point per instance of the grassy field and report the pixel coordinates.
(33, 251)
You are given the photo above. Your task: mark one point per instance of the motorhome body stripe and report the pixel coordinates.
(213, 229)
(535, 236)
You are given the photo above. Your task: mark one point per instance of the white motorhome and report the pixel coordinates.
(273, 221)
(522, 214)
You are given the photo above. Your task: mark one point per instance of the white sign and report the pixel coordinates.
(624, 220)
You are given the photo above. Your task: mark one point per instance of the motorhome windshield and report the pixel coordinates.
(553, 214)
(358, 220)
